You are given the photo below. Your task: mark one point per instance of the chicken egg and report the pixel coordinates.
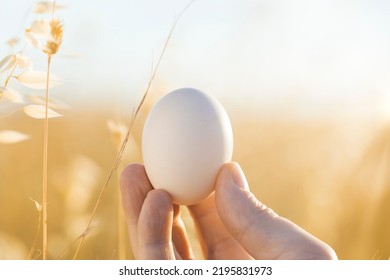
(186, 139)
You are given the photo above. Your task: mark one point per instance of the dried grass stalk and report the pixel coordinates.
(133, 118)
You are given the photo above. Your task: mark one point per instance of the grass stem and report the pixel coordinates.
(45, 159)
(121, 227)
(134, 116)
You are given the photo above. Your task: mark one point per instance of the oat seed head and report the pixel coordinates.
(118, 131)
(12, 42)
(56, 31)
(11, 95)
(12, 137)
(46, 7)
(45, 35)
(23, 61)
(37, 205)
(37, 79)
(7, 62)
(39, 112)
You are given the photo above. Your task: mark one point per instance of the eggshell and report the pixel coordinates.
(186, 139)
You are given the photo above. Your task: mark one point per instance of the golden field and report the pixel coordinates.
(329, 171)
(330, 177)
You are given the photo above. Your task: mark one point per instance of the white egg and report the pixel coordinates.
(186, 139)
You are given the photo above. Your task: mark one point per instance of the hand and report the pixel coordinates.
(231, 223)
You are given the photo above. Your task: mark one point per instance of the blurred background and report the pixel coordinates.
(306, 85)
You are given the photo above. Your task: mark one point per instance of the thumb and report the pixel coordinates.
(258, 229)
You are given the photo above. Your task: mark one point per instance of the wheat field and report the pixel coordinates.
(328, 173)
(330, 178)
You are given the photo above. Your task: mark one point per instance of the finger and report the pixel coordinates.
(215, 240)
(259, 230)
(135, 186)
(180, 236)
(155, 227)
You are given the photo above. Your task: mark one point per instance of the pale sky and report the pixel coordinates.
(325, 58)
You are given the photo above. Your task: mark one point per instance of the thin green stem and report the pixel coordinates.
(45, 157)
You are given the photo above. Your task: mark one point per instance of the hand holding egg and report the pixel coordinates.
(186, 139)
(187, 142)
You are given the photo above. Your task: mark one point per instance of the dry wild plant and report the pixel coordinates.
(122, 147)
(8, 66)
(45, 35)
(118, 130)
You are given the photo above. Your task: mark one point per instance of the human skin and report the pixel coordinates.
(231, 223)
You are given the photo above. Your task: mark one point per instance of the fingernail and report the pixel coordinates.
(238, 176)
